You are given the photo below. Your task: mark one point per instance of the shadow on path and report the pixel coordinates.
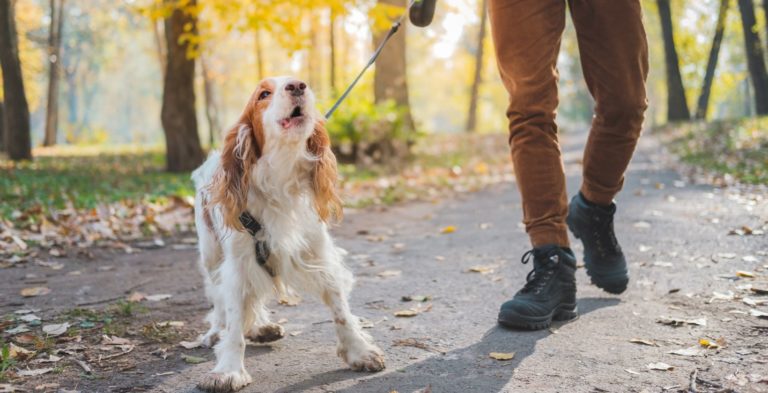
(466, 369)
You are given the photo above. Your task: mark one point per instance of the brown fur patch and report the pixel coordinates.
(324, 175)
(238, 156)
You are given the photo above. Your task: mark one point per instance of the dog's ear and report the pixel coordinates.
(229, 189)
(324, 175)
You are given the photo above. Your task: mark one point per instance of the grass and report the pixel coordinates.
(6, 362)
(737, 148)
(83, 181)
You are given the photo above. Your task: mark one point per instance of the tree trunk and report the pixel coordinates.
(765, 14)
(706, 88)
(2, 128)
(677, 107)
(755, 62)
(211, 111)
(390, 81)
(475, 90)
(54, 68)
(18, 139)
(182, 143)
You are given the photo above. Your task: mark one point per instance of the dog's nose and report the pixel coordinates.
(296, 88)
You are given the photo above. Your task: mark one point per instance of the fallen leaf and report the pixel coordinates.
(114, 340)
(54, 330)
(663, 264)
(191, 344)
(18, 329)
(439, 258)
(411, 342)
(296, 333)
(481, 269)
(19, 353)
(502, 355)
(706, 343)
(745, 274)
(171, 324)
(642, 225)
(193, 359)
(680, 322)
(159, 297)
(46, 387)
(416, 298)
(26, 338)
(660, 366)
(136, 297)
(643, 342)
(749, 258)
(759, 291)
(448, 229)
(758, 314)
(406, 313)
(631, 371)
(35, 291)
(34, 372)
(29, 318)
(692, 351)
(389, 273)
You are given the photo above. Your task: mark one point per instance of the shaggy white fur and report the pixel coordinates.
(303, 256)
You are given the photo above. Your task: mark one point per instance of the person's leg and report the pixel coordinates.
(614, 57)
(526, 35)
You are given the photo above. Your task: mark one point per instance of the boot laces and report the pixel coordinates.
(605, 237)
(542, 272)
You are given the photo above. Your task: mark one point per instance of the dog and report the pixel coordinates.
(262, 210)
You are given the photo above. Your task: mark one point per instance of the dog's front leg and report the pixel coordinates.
(237, 297)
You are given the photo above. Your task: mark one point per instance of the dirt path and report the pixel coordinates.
(676, 237)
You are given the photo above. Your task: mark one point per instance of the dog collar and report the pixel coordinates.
(262, 248)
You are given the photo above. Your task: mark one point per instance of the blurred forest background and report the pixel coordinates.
(142, 88)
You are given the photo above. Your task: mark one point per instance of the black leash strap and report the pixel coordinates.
(392, 31)
(262, 248)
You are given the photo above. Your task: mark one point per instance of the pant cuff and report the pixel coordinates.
(598, 198)
(546, 236)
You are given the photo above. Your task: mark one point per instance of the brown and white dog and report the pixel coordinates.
(276, 165)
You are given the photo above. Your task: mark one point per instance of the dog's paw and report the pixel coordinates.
(266, 333)
(224, 382)
(368, 358)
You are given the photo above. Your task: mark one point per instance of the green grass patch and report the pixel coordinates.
(736, 147)
(85, 181)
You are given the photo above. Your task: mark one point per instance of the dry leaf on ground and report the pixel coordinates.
(159, 297)
(691, 351)
(35, 291)
(660, 366)
(482, 269)
(502, 355)
(34, 372)
(448, 229)
(191, 344)
(389, 273)
(193, 359)
(54, 330)
(643, 342)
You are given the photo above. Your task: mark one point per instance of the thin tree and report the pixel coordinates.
(211, 110)
(182, 143)
(54, 69)
(18, 140)
(754, 51)
(706, 88)
(2, 127)
(677, 106)
(390, 81)
(475, 90)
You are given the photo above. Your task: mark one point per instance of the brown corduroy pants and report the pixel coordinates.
(614, 59)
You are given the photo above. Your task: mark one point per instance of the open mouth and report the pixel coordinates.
(294, 119)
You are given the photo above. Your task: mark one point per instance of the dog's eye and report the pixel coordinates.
(264, 94)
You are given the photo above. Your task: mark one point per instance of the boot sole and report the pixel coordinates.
(614, 284)
(564, 312)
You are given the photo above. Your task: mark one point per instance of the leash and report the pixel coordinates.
(376, 53)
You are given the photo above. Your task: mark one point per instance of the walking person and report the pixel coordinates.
(614, 57)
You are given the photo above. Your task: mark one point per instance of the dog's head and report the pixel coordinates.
(281, 112)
